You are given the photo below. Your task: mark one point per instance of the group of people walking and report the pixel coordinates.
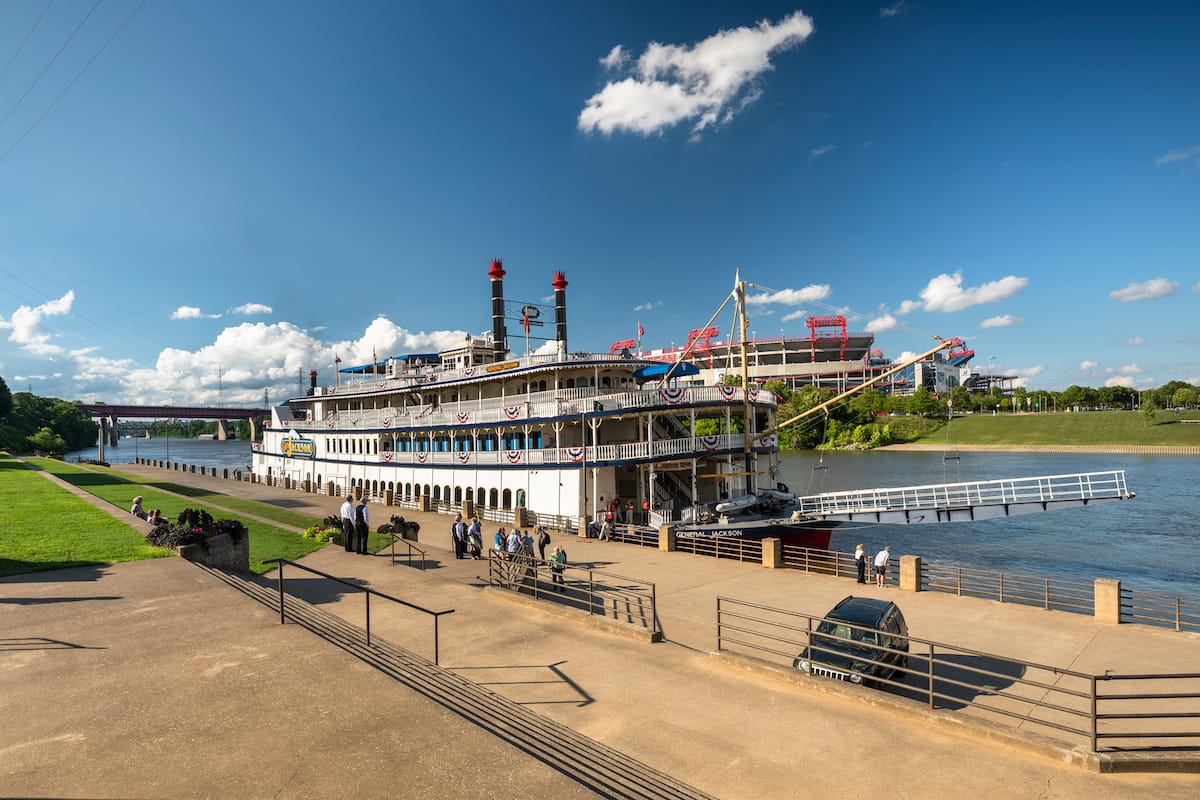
(355, 525)
(882, 558)
(515, 545)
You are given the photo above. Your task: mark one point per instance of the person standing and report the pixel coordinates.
(501, 543)
(362, 527)
(512, 545)
(558, 560)
(645, 512)
(860, 562)
(458, 533)
(543, 539)
(348, 524)
(475, 538)
(527, 545)
(881, 565)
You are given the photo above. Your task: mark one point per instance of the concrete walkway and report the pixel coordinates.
(161, 679)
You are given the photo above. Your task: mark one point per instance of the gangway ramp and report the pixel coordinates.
(965, 502)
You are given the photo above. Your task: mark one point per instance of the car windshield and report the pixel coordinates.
(842, 631)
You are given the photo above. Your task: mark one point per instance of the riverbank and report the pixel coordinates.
(1136, 449)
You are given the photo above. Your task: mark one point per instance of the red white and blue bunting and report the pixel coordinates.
(672, 394)
(463, 417)
(727, 393)
(387, 456)
(710, 442)
(464, 456)
(514, 456)
(422, 456)
(386, 422)
(573, 454)
(767, 441)
(512, 412)
(753, 390)
(468, 372)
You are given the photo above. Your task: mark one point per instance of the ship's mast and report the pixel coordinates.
(739, 292)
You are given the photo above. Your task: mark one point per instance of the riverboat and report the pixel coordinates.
(567, 438)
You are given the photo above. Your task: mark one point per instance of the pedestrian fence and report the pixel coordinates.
(733, 548)
(367, 595)
(628, 600)
(412, 548)
(1180, 613)
(1108, 712)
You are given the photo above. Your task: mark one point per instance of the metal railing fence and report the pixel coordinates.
(1172, 611)
(366, 592)
(607, 594)
(396, 538)
(1053, 594)
(732, 548)
(946, 676)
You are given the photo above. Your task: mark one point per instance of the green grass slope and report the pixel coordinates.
(1083, 428)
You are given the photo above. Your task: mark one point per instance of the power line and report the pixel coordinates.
(76, 78)
(49, 64)
(21, 46)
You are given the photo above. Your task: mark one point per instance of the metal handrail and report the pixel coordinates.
(588, 593)
(398, 538)
(781, 632)
(368, 592)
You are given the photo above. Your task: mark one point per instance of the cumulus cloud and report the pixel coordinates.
(26, 329)
(705, 84)
(894, 10)
(946, 293)
(1002, 321)
(1088, 365)
(251, 309)
(1125, 381)
(1136, 341)
(191, 312)
(790, 297)
(817, 152)
(885, 323)
(1156, 287)
(798, 314)
(647, 306)
(907, 355)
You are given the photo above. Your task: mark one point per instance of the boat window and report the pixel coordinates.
(446, 494)
(507, 499)
(493, 499)
(520, 498)
(570, 384)
(457, 495)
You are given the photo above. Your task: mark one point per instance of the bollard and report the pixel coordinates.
(910, 573)
(666, 538)
(1108, 601)
(772, 553)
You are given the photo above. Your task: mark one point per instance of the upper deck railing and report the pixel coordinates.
(557, 404)
(971, 500)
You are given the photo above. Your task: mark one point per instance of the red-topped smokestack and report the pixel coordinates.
(499, 343)
(560, 310)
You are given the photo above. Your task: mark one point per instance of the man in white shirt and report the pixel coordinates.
(881, 565)
(348, 523)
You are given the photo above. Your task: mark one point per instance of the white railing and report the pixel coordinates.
(1053, 489)
(569, 403)
(695, 446)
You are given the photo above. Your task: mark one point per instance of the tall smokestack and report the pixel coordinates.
(496, 273)
(560, 312)
(312, 383)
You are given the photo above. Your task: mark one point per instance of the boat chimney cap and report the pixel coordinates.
(497, 269)
(560, 281)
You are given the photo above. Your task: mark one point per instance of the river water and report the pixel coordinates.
(1151, 542)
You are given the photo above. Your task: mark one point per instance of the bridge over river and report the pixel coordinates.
(108, 415)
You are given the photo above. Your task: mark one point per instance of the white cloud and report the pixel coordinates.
(885, 323)
(26, 327)
(817, 152)
(1130, 369)
(648, 306)
(1032, 372)
(1179, 155)
(191, 312)
(946, 293)
(1156, 287)
(1122, 381)
(1087, 365)
(798, 314)
(704, 84)
(894, 10)
(907, 355)
(251, 309)
(790, 297)
(1002, 321)
(1136, 341)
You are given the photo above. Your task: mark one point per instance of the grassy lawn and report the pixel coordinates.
(266, 541)
(1083, 428)
(43, 526)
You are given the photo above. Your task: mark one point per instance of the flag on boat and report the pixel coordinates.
(641, 330)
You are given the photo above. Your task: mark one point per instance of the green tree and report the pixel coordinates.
(1184, 397)
(922, 402)
(5, 399)
(1149, 409)
(47, 441)
(961, 398)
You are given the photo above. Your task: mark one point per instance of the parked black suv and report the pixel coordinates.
(849, 639)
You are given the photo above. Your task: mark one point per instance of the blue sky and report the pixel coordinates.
(250, 188)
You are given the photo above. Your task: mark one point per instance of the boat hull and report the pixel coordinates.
(803, 533)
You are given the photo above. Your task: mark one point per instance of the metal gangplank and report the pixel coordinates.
(965, 502)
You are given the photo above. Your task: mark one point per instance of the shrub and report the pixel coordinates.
(195, 526)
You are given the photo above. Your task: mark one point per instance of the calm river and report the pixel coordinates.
(1151, 542)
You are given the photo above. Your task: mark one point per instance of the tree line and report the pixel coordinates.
(50, 425)
(872, 418)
